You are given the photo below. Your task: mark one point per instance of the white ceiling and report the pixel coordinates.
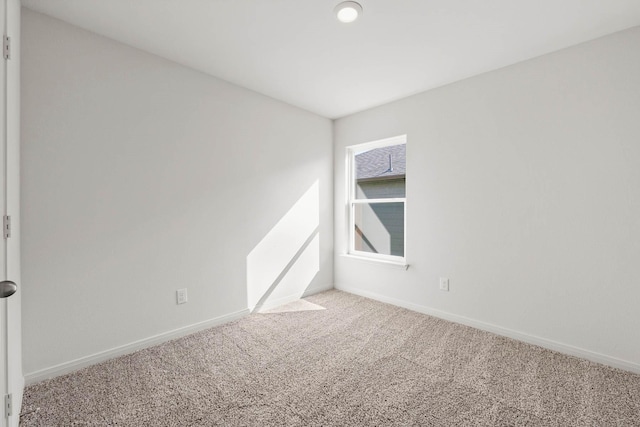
(297, 52)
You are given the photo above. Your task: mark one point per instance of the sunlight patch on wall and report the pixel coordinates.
(284, 263)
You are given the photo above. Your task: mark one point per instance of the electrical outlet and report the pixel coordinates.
(181, 296)
(444, 284)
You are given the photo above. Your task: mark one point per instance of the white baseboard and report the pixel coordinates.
(317, 289)
(499, 330)
(74, 365)
(268, 305)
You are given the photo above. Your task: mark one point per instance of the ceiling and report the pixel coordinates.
(297, 52)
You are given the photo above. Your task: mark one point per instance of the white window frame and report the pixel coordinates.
(352, 201)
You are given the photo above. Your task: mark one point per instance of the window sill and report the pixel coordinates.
(393, 264)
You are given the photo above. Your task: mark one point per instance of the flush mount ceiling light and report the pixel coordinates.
(348, 11)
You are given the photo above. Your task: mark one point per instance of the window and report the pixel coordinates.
(376, 177)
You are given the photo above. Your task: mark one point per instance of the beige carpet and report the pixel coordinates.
(356, 362)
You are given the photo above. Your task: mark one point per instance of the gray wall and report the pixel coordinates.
(523, 188)
(140, 177)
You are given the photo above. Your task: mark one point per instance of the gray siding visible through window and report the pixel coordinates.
(382, 189)
(380, 174)
(391, 216)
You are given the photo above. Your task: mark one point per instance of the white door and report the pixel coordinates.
(4, 303)
(11, 378)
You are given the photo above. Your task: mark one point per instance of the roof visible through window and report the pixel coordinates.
(383, 162)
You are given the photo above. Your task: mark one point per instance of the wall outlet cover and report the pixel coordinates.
(181, 296)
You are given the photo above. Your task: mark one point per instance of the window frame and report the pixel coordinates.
(351, 200)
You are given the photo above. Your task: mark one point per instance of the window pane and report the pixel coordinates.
(379, 228)
(380, 173)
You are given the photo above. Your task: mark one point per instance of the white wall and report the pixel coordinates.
(523, 187)
(140, 177)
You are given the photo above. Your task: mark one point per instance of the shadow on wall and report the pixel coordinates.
(282, 266)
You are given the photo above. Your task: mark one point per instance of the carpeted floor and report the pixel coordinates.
(342, 360)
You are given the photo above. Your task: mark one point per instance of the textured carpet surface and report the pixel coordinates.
(357, 362)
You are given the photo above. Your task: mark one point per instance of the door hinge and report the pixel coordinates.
(8, 405)
(6, 226)
(6, 47)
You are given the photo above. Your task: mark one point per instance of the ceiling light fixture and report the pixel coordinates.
(348, 11)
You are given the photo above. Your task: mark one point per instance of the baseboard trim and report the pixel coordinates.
(82, 362)
(290, 298)
(317, 289)
(499, 330)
